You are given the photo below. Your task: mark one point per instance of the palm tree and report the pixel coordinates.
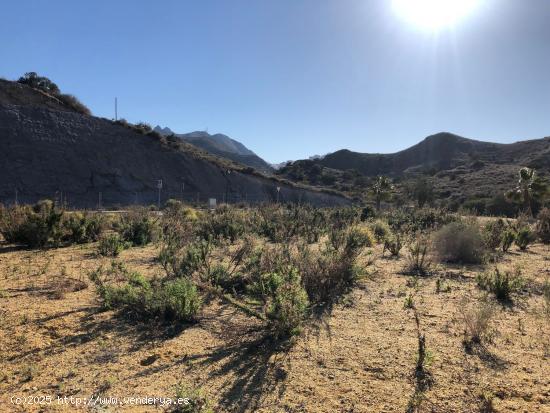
(524, 190)
(381, 189)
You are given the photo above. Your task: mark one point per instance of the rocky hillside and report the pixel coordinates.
(221, 145)
(459, 168)
(49, 150)
(443, 151)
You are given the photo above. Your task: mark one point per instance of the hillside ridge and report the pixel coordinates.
(51, 151)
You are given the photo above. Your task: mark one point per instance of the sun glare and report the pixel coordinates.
(434, 14)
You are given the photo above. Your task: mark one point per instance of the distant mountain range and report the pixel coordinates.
(221, 145)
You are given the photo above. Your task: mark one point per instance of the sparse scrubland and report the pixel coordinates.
(277, 308)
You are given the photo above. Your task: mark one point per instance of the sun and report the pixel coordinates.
(434, 14)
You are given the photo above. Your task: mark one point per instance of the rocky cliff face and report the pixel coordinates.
(47, 151)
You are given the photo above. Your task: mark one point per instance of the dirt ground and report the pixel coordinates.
(55, 341)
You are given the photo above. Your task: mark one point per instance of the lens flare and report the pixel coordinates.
(434, 14)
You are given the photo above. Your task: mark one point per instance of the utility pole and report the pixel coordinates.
(227, 186)
(116, 109)
(159, 187)
(16, 197)
(99, 201)
(278, 190)
(182, 189)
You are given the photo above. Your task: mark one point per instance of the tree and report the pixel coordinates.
(39, 82)
(422, 192)
(524, 190)
(381, 189)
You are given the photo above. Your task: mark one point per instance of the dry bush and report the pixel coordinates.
(418, 259)
(478, 325)
(74, 103)
(459, 242)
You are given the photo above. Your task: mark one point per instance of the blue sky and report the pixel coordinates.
(293, 78)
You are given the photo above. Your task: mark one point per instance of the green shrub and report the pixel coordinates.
(419, 219)
(179, 300)
(543, 225)
(360, 236)
(493, 234)
(282, 223)
(287, 304)
(39, 82)
(380, 229)
(502, 285)
(111, 245)
(138, 228)
(225, 223)
(508, 238)
(82, 228)
(172, 300)
(368, 212)
(34, 227)
(197, 402)
(194, 258)
(459, 242)
(393, 244)
(524, 237)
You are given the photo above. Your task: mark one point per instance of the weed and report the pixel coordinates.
(502, 284)
(441, 286)
(193, 400)
(409, 302)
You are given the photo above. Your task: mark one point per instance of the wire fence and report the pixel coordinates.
(102, 200)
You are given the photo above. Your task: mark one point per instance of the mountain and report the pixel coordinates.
(48, 149)
(460, 168)
(443, 151)
(221, 145)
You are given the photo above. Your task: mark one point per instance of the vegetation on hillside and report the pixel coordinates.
(47, 86)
